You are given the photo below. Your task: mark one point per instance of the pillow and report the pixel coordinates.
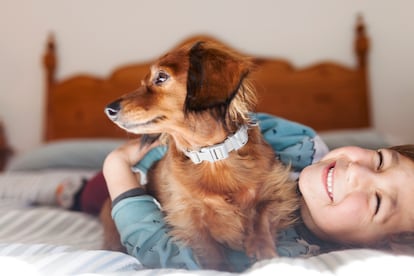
(365, 138)
(43, 187)
(66, 154)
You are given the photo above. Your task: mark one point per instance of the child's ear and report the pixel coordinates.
(214, 76)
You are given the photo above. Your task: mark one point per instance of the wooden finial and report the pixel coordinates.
(5, 150)
(50, 63)
(49, 60)
(361, 42)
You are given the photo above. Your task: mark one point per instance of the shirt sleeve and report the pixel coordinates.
(145, 235)
(295, 144)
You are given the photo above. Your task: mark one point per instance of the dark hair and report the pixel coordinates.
(403, 242)
(405, 150)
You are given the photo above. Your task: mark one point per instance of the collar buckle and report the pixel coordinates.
(220, 151)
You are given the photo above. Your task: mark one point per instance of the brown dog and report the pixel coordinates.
(219, 183)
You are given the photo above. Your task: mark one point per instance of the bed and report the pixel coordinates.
(40, 236)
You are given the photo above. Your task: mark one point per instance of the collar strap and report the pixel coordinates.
(219, 151)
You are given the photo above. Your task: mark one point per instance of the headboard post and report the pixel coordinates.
(362, 49)
(361, 42)
(49, 63)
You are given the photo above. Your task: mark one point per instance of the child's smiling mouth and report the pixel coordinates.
(329, 181)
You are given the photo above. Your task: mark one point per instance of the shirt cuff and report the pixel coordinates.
(130, 193)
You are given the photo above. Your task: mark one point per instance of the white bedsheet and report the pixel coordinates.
(48, 240)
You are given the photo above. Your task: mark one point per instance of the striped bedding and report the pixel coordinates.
(44, 239)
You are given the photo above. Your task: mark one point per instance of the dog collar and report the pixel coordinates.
(219, 151)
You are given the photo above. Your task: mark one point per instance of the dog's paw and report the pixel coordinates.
(260, 249)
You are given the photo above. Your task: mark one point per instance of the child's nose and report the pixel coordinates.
(359, 177)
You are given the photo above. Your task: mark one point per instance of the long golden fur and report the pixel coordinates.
(196, 96)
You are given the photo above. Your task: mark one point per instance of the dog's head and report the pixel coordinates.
(194, 87)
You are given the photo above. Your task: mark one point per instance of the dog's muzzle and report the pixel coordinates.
(112, 110)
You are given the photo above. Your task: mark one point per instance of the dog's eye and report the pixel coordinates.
(161, 78)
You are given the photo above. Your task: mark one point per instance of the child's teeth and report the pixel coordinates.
(329, 181)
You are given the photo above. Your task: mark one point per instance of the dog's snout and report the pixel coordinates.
(112, 110)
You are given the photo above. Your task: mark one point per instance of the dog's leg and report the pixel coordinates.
(112, 241)
(211, 254)
(260, 241)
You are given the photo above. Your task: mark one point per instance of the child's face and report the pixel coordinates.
(355, 195)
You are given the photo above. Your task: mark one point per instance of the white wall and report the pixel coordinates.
(95, 35)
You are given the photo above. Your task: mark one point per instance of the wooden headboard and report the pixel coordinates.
(325, 96)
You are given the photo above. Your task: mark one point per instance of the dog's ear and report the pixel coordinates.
(214, 76)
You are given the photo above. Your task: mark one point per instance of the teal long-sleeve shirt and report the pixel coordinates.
(144, 232)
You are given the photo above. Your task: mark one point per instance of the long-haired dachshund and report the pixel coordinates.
(219, 183)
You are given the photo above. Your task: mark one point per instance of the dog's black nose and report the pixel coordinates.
(113, 109)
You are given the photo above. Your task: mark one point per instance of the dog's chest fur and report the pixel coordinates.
(215, 198)
(194, 202)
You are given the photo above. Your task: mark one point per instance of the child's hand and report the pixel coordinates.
(117, 166)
